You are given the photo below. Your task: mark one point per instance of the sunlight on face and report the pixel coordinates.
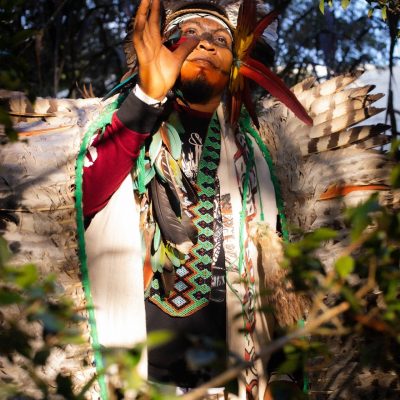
(212, 59)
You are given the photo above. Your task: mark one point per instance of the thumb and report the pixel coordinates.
(186, 46)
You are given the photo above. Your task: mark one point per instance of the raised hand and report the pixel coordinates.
(159, 68)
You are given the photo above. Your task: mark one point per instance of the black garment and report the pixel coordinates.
(200, 337)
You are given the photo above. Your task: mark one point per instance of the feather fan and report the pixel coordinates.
(334, 163)
(37, 216)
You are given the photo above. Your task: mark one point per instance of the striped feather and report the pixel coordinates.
(376, 141)
(337, 124)
(324, 103)
(329, 87)
(344, 108)
(333, 153)
(342, 139)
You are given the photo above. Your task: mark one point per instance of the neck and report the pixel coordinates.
(209, 107)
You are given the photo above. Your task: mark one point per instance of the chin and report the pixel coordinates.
(212, 77)
(196, 90)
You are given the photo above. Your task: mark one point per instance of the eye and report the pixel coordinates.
(190, 32)
(221, 40)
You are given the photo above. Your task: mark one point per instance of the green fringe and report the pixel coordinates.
(249, 164)
(141, 186)
(245, 125)
(100, 123)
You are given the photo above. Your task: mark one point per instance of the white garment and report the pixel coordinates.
(113, 245)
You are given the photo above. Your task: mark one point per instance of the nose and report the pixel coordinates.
(206, 43)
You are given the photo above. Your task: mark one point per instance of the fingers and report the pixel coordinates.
(155, 14)
(187, 46)
(146, 22)
(141, 17)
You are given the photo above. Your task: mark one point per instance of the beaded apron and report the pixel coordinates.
(193, 277)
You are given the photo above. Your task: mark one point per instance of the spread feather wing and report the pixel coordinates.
(335, 162)
(37, 213)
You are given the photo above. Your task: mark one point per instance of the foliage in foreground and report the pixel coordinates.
(35, 320)
(359, 295)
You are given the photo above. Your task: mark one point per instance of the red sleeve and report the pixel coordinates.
(109, 159)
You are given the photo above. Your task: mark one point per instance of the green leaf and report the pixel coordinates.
(8, 297)
(345, 4)
(344, 266)
(175, 142)
(360, 217)
(322, 6)
(370, 12)
(350, 297)
(50, 321)
(395, 176)
(27, 275)
(155, 147)
(158, 338)
(323, 234)
(292, 250)
(384, 13)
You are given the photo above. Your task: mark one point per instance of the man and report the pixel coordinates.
(196, 285)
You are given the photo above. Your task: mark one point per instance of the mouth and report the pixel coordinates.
(204, 61)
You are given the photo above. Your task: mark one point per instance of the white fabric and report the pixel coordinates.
(114, 258)
(137, 90)
(227, 178)
(186, 17)
(113, 244)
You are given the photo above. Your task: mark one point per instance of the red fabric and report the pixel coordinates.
(117, 149)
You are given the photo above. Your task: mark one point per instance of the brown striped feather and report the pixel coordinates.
(323, 103)
(339, 123)
(345, 108)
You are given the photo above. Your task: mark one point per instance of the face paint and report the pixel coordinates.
(199, 28)
(218, 37)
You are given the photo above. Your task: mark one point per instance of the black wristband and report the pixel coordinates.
(139, 116)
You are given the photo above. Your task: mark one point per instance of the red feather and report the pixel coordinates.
(247, 15)
(268, 80)
(236, 104)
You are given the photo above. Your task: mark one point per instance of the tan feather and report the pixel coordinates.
(339, 123)
(344, 108)
(37, 201)
(328, 87)
(303, 86)
(341, 139)
(289, 306)
(333, 152)
(324, 103)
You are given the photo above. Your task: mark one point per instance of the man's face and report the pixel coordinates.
(206, 71)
